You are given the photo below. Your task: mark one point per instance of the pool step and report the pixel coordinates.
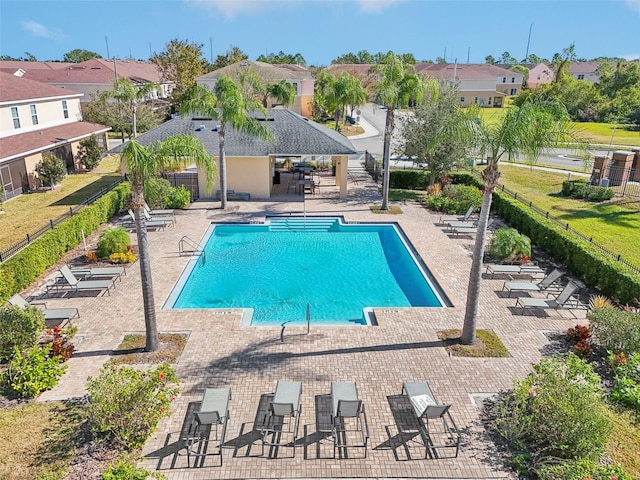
(298, 224)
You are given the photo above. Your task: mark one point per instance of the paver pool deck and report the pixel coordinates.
(403, 347)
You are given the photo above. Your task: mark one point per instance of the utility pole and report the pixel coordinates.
(106, 39)
(468, 53)
(526, 56)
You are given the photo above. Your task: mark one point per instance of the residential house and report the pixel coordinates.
(482, 84)
(540, 74)
(93, 76)
(250, 161)
(37, 118)
(585, 71)
(301, 78)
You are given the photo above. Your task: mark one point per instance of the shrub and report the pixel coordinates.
(615, 330)
(124, 469)
(113, 240)
(583, 349)
(544, 414)
(157, 191)
(179, 197)
(60, 344)
(454, 199)
(579, 333)
(91, 257)
(509, 244)
(34, 371)
(626, 372)
(127, 257)
(20, 328)
(581, 470)
(125, 405)
(409, 179)
(89, 152)
(51, 169)
(583, 190)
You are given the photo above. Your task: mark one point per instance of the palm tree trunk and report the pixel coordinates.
(151, 325)
(386, 152)
(223, 170)
(473, 290)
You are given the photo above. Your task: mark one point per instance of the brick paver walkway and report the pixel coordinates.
(403, 347)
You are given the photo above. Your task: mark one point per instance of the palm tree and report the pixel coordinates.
(126, 92)
(399, 86)
(527, 130)
(142, 163)
(284, 93)
(228, 104)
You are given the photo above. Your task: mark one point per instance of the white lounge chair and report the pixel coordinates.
(212, 417)
(52, 316)
(435, 423)
(566, 299)
(445, 219)
(68, 281)
(547, 283)
(280, 427)
(532, 270)
(348, 418)
(148, 223)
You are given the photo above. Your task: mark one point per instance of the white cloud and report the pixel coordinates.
(376, 6)
(38, 30)
(633, 5)
(233, 8)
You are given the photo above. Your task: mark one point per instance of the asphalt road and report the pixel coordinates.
(558, 158)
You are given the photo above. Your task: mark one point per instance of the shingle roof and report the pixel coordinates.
(15, 89)
(47, 138)
(99, 71)
(294, 135)
(265, 71)
(463, 71)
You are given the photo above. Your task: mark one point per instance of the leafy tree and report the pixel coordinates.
(89, 153)
(142, 163)
(532, 58)
(364, 57)
(440, 133)
(347, 93)
(346, 58)
(29, 57)
(441, 60)
(324, 103)
(408, 58)
(284, 92)
(525, 130)
(507, 58)
(181, 63)
(51, 169)
(489, 59)
(522, 70)
(283, 58)
(129, 94)
(228, 104)
(79, 55)
(230, 57)
(399, 86)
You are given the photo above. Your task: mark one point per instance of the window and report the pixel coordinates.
(513, 79)
(489, 101)
(504, 79)
(581, 77)
(462, 99)
(65, 109)
(475, 100)
(34, 114)
(514, 91)
(16, 117)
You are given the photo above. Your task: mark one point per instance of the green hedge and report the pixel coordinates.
(583, 190)
(20, 271)
(408, 179)
(613, 279)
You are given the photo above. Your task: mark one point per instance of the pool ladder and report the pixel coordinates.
(194, 247)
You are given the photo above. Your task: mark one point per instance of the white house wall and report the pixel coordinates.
(50, 114)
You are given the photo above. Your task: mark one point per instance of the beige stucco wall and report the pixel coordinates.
(253, 175)
(485, 99)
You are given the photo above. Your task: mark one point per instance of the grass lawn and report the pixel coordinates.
(614, 224)
(38, 440)
(600, 133)
(27, 213)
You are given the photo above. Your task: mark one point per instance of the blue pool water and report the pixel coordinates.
(278, 268)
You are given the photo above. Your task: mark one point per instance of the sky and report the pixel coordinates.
(322, 30)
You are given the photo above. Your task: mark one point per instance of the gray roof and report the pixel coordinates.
(294, 135)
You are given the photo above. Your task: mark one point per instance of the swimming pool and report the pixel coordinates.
(279, 267)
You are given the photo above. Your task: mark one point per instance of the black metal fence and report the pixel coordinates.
(625, 182)
(16, 247)
(372, 166)
(605, 251)
(188, 179)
